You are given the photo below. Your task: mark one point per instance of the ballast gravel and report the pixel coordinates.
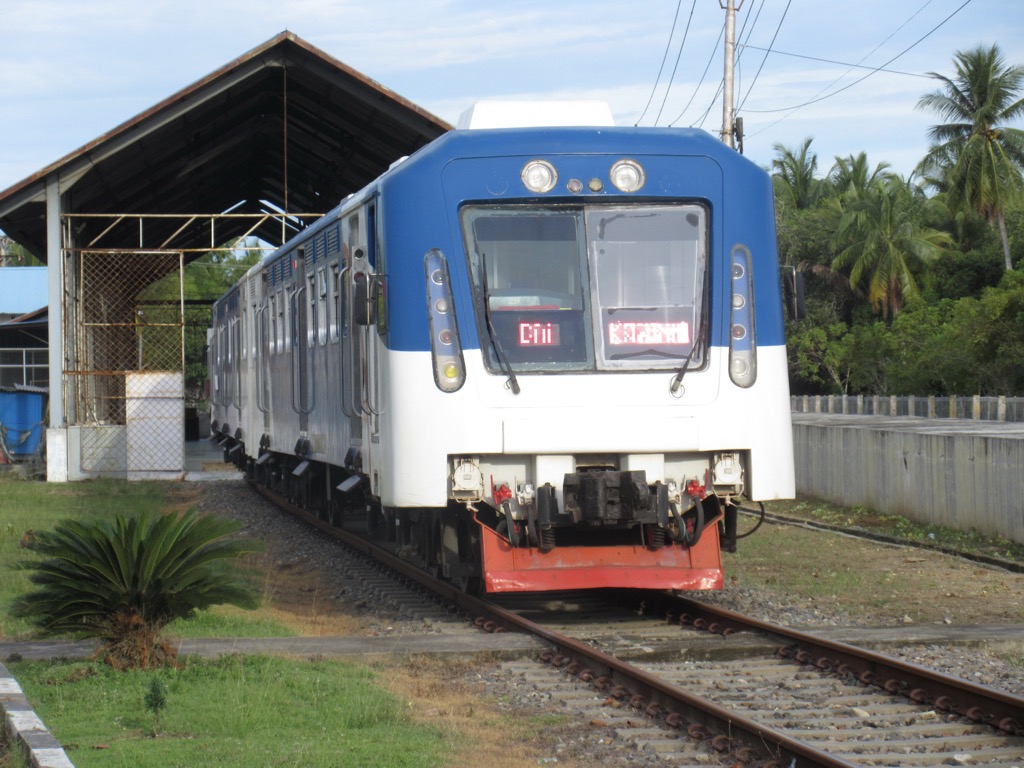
(293, 544)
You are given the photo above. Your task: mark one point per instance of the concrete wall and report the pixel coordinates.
(958, 473)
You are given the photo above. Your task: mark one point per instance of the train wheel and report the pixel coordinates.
(460, 555)
(470, 578)
(334, 512)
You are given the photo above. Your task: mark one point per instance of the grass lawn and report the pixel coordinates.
(236, 711)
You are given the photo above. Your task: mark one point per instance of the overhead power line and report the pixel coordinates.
(675, 66)
(777, 52)
(873, 71)
(664, 58)
(770, 45)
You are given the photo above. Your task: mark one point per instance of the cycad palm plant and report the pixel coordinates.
(122, 581)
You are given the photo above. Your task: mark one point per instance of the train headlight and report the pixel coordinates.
(742, 342)
(445, 347)
(627, 175)
(539, 176)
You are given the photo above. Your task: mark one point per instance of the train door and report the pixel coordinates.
(351, 347)
(302, 342)
(366, 288)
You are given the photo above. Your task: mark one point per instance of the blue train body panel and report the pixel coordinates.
(485, 166)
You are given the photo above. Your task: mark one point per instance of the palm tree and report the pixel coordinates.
(794, 175)
(978, 157)
(851, 174)
(883, 246)
(123, 581)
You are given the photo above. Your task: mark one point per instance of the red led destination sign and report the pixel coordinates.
(539, 335)
(648, 334)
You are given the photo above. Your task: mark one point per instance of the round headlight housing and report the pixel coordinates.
(539, 176)
(627, 175)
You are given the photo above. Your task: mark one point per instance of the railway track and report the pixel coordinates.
(811, 703)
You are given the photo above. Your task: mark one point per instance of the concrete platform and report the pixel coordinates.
(913, 425)
(204, 460)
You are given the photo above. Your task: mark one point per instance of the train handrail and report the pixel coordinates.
(261, 375)
(342, 344)
(237, 338)
(364, 390)
(293, 343)
(296, 343)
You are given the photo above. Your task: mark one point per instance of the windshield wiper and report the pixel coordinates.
(506, 366)
(677, 380)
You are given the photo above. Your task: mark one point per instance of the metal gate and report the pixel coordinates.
(124, 360)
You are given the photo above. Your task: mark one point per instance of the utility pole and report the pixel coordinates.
(728, 128)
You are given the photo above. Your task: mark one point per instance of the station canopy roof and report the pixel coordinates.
(283, 128)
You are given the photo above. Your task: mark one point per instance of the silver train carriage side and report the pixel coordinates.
(531, 359)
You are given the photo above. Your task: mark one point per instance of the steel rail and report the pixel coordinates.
(748, 742)
(945, 693)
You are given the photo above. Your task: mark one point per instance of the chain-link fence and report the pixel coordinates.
(124, 359)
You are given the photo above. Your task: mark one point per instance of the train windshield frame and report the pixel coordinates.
(606, 287)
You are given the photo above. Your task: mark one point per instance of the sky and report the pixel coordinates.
(71, 70)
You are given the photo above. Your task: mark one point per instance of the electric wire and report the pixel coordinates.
(675, 67)
(721, 83)
(869, 74)
(696, 89)
(850, 68)
(664, 58)
(840, 63)
(757, 74)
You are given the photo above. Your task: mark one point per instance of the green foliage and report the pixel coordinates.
(871, 244)
(883, 245)
(975, 156)
(123, 581)
(156, 700)
(14, 255)
(955, 275)
(794, 180)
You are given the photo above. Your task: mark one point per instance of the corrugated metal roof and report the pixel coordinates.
(285, 124)
(22, 289)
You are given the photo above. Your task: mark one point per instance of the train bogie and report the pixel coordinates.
(530, 359)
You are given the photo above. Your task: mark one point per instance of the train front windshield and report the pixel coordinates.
(562, 288)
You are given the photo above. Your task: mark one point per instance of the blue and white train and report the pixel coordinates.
(531, 358)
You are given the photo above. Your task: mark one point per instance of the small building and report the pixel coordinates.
(260, 148)
(24, 331)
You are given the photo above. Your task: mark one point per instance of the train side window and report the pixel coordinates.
(272, 311)
(334, 305)
(321, 306)
(311, 318)
(253, 334)
(243, 352)
(282, 327)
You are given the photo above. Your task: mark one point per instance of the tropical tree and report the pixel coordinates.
(852, 174)
(977, 156)
(793, 175)
(883, 247)
(123, 581)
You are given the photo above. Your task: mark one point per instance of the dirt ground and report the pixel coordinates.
(875, 583)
